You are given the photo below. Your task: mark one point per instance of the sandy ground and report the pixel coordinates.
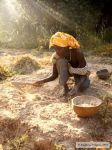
(42, 114)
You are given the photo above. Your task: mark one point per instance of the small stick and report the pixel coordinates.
(20, 84)
(105, 112)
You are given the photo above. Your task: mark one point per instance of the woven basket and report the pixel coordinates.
(86, 106)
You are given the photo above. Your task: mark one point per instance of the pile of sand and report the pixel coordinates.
(25, 65)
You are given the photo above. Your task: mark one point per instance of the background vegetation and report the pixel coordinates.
(30, 23)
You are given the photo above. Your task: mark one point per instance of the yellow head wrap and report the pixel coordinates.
(63, 40)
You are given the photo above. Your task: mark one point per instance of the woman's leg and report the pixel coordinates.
(82, 81)
(62, 67)
(81, 84)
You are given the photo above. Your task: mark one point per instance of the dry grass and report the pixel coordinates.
(4, 73)
(13, 134)
(104, 50)
(45, 61)
(25, 65)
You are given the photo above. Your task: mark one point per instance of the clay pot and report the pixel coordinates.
(103, 74)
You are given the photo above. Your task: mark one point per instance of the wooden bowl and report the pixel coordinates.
(86, 106)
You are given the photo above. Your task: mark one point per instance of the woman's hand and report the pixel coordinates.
(38, 83)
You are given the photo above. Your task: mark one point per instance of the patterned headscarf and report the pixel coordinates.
(63, 40)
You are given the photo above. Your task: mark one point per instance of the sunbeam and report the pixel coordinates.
(56, 15)
(11, 8)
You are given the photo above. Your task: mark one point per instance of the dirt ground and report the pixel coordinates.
(40, 113)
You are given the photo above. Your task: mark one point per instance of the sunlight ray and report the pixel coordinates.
(56, 15)
(9, 5)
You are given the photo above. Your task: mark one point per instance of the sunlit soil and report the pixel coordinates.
(29, 113)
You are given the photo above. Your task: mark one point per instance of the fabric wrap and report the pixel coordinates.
(62, 39)
(80, 71)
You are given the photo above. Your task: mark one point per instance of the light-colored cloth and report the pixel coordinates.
(80, 71)
(63, 40)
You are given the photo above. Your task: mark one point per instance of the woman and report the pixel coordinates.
(67, 60)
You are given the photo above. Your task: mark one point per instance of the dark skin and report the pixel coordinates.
(77, 61)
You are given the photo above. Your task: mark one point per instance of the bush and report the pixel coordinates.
(107, 35)
(89, 41)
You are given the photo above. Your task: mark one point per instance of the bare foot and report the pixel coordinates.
(73, 92)
(64, 91)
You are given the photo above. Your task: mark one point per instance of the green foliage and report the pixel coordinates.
(37, 22)
(4, 73)
(107, 35)
(59, 147)
(17, 142)
(104, 50)
(90, 41)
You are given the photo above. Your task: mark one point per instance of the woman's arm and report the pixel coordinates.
(82, 68)
(81, 59)
(50, 78)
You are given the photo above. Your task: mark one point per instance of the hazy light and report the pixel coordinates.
(11, 8)
(56, 15)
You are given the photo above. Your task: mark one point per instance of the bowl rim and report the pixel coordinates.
(78, 105)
